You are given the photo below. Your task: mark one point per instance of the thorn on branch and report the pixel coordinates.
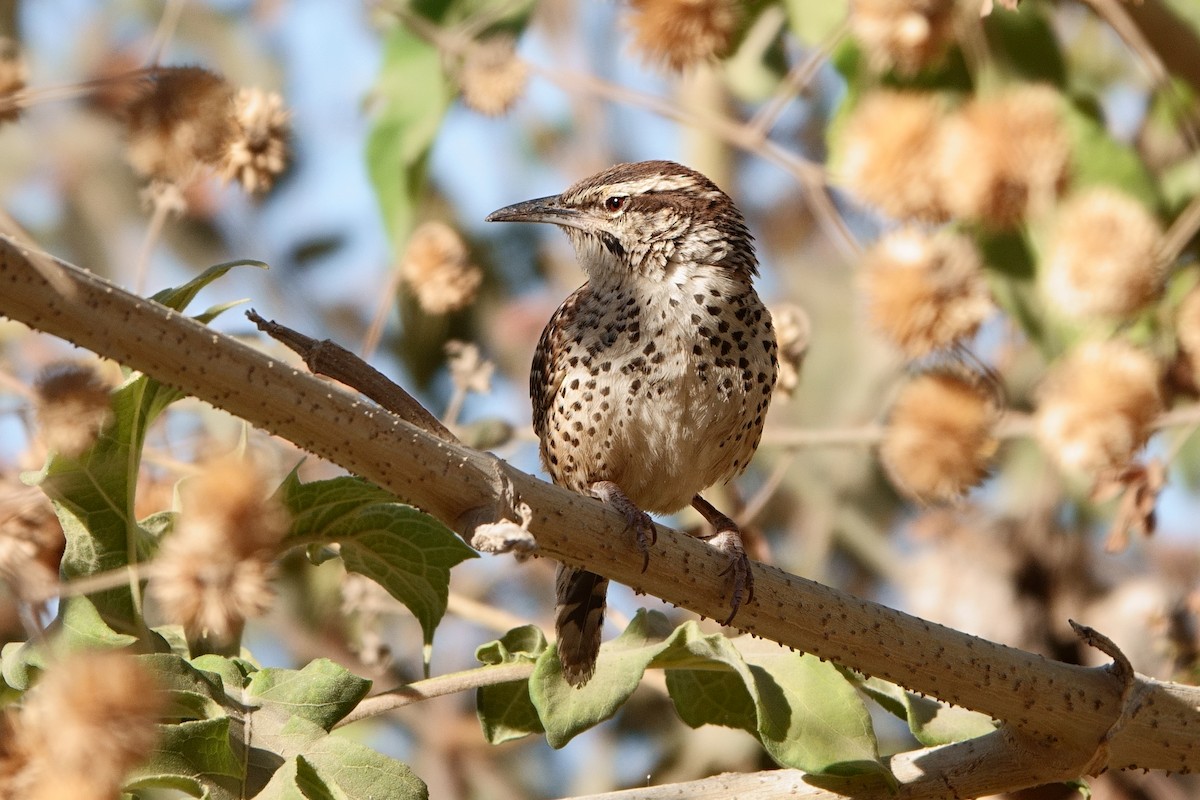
(326, 357)
(1122, 670)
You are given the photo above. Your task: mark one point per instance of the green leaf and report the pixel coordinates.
(566, 710)
(811, 716)
(298, 779)
(322, 692)
(407, 552)
(932, 722)
(345, 766)
(79, 626)
(505, 710)
(93, 496)
(805, 713)
(1100, 160)
(197, 753)
(412, 96)
(813, 22)
(180, 297)
(194, 694)
(1025, 43)
(709, 681)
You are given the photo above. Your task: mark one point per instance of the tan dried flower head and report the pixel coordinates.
(905, 35)
(1187, 330)
(940, 437)
(492, 77)
(90, 719)
(31, 541)
(437, 268)
(213, 572)
(680, 33)
(1097, 405)
(257, 150)
(1104, 258)
(925, 292)
(1005, 158)
(793, 330)
(180, 121)
(12, 79)
(889, 153)
(73, 405)
(470, 371)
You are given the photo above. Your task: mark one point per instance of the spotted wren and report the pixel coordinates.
(651, 381)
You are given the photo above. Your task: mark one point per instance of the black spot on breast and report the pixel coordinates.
(714, 310)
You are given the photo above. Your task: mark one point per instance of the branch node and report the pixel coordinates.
(506, 536)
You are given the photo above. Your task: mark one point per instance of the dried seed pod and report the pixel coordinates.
(925, 292)
(680, 33)
(1004, 159)
(1097, 406)
(940, 436)
(436, 266)
(492, 77)
(1104, 258)
(905, 35)
(213, 570)
(889, 148)
(257, 152)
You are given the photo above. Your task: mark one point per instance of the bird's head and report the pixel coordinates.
(645, 218)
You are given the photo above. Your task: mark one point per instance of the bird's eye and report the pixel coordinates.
(616, 202)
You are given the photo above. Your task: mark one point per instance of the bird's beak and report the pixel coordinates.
(543, 209)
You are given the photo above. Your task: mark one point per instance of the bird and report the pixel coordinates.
(651, 382)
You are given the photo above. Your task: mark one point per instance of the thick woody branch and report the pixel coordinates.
(1060, 712)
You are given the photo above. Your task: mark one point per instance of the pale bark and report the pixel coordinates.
(1061, 720)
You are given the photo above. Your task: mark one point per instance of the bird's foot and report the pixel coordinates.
(729, 542)
(636, 520)
(727, 538)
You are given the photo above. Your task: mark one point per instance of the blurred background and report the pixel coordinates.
(409, 122)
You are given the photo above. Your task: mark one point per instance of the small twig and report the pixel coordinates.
(387, 299)
(437, 687)
(167, 26)
(483, 614)
(738, 134)
(1119, 19)
(1181, 231)
(758, 502)
(794, 83)
(329, 358)
(158, 220)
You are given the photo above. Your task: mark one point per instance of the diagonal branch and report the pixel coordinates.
(1064, 710)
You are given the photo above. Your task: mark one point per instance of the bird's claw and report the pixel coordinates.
(729, 542)
(636, 520)
(644, 533)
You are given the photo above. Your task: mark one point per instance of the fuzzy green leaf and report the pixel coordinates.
(932, 722)
(412, 96)
(407, 552)
(322, 692)
(505, 710)
(566, 710)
